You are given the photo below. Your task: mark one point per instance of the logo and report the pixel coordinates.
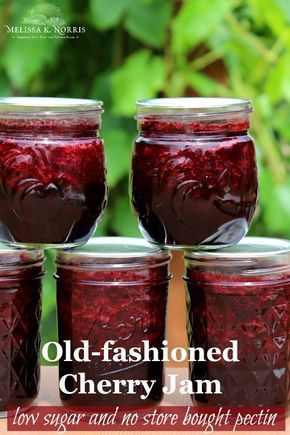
(44, 21)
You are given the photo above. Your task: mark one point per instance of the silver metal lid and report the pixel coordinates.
(249, 247)
(113, 250)
(198, 106)
(47, 105)
(10, 256)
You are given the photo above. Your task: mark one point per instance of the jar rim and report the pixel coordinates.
(200, 106)
(10, 256)
(109, 250)
(48, 105)
(247, 248)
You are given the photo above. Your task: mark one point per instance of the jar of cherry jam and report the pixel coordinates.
(52, 171)
(20, 311)
(194, 175)
(113, 288)
(241, 294)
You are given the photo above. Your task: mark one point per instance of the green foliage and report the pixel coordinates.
(23, 59)
(21, 69)
(145, 48)
(49, 300)
(195, 22)
(148, 21)
(141, 74)
(108, 13)
(145, 20)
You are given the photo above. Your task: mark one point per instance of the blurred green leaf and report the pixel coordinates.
(275, 203)
(148, 21)
(25, 55)
(103, 225)
(107, 13)
(101, 89)
(242, 41)
(197, 20)
(5, 88)
(141, 76)
(278, 81)
(284, 6)
(49, 283)
(205, 85)
(281, 122)
(271, 13)
(23, 59)
(48, 323)
(124, 222)
(118, 151)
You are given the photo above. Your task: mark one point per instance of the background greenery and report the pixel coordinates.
(136, 49)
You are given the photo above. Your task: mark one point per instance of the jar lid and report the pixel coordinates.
(198, 106)
(47, 105)
(10, 256)
(113, 251)
(249, 247)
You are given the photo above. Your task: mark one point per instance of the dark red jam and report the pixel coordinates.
(53, 179)
(227, 303)
(118, 298)
(20, 312)
(194, 183)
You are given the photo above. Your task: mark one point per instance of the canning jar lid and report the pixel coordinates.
(194, 106)
(113, 251)
(47, 105)
(249, 247)
(13, 258)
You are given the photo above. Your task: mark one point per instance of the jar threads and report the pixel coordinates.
(113, 288)
(52, 169)
(194, 176)
(242, 293)
(21, 272)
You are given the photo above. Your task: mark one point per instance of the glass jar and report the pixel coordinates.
(113, 288)
(20, 311)
(242, 293)
(194, 175)
(53, 178)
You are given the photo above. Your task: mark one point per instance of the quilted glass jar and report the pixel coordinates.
(194, 176)
(242, 293)
(113, 288)
(52, 171)
(20, 311)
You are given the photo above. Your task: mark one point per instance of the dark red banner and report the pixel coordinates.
(170, 418)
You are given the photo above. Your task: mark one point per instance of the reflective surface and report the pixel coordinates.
(125, 301)
(20, 312)
(190, 191)
(240, 294)
(53, 181)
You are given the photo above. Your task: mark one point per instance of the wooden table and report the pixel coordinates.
(48, 395)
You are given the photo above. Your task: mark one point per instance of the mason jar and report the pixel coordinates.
(241, 294)
(52, 170)
(20, 312)
(113, 288)
(194, 174)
